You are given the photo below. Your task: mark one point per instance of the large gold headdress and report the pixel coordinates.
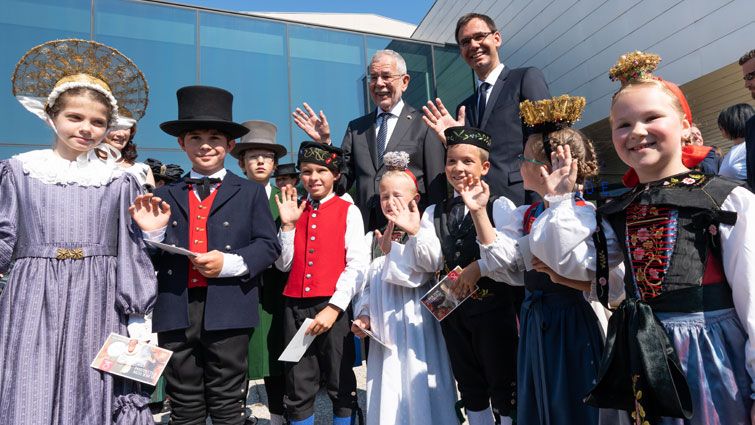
(49, 69)
(634, 66)
(552, 114)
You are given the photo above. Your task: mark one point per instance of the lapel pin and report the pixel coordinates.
(408, 117)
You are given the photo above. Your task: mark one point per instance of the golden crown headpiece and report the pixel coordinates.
(634, 66)
(552, 114)
(49, 69)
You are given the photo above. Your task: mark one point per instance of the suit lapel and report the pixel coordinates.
(497, 89)
(180, 194)
(371, 139)
(230, 185)
(402, 126)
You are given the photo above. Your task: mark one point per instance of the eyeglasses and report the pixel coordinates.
(266, 156)
(466, 41)
(749, 76)
(373, 78)
(521, 158)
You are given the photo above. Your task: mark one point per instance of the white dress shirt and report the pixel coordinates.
(392, 120)
(357, 256)
(734, 163)
(490, 79)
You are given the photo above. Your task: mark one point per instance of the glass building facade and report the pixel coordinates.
(270, 66)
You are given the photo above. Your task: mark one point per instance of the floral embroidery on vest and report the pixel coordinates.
(651, 235)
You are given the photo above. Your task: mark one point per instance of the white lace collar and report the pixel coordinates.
(49, 168)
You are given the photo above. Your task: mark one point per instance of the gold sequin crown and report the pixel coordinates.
(560, 111)
(85, 63)
(634, 66)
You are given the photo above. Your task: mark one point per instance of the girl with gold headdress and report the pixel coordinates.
(560, 340)
(681, 347)
(80, 267)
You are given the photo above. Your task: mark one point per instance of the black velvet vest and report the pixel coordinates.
(460, 248)
(669, 230)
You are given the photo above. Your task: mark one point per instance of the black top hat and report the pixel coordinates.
(204, 107)
(286, 170)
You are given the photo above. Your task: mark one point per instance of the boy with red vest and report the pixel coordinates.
(207, 304)
(321, 245)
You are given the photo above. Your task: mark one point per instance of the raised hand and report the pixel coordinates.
(149, 212)
(384, 240)
(439, 119)
(475, 194)
(315, 125)
(288, 207)
(563, 176)
(405, 216)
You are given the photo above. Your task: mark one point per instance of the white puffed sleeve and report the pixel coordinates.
(562, 238)
(502, 260)
(738, 251)
(423, 250)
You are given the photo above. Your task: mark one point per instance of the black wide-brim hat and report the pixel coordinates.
(204, 108)
(286, 170)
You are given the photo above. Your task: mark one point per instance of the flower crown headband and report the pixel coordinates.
(399, 161)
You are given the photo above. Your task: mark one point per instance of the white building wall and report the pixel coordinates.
(575, 42)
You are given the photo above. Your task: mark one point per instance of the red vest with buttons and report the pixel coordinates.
(319, 250)
(198, 212)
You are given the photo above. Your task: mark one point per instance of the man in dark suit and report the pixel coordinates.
(207, 303)
(494, 107)
(392, 126)
(747, 62)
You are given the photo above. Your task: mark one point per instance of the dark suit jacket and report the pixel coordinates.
(502, 122)
(750, 147)
(411, 135)
(239, 223)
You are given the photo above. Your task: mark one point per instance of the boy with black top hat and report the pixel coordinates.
(481, 334)
(207, 304)
(286, 174)
(258, 156)
(325, 270)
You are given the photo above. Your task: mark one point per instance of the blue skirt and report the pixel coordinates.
(711, 350)
(560, 348)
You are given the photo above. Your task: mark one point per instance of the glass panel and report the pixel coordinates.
(248, 58)
(419, 66)
(454, 78)
(161, 41)
(22, 29)
(328, 72)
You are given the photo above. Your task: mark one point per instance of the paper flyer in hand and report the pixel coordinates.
(171, 248)
(439, 300)
(132, 359)
(298, 344)
(374, 337)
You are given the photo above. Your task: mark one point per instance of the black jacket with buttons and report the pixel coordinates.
(239, 223)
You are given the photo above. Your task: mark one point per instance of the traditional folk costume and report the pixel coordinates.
(323, 269)
(411, 383)
(266, 342)
(560, 341)
(680, 345)
(481, 334)
(206, 322)
(81, 267)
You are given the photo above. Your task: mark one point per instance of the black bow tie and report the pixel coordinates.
(202, 185)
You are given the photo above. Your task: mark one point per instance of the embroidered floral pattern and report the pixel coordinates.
(651, 235)
(689, 179)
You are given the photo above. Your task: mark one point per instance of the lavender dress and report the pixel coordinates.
(56, 312)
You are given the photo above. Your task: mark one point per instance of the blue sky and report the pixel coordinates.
(411, 11)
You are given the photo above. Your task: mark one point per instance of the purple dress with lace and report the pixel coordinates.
(80, 269)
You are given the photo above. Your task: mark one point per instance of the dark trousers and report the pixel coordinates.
(207, 372)
(329, 359)
(275, 387)
(482, 349)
